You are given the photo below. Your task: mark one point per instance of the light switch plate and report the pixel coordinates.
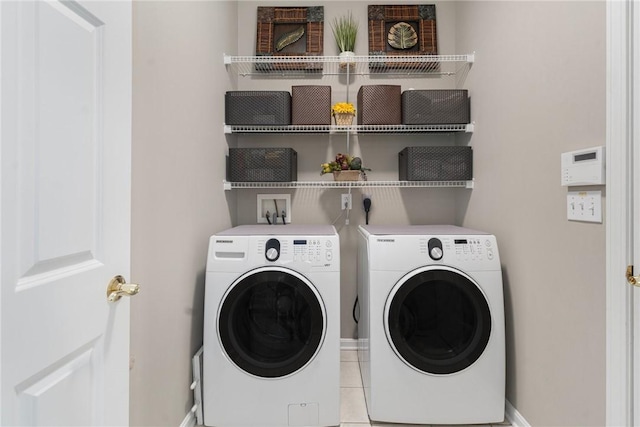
(584, 206)
(268, 202)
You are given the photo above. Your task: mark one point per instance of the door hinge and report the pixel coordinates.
(631, 279)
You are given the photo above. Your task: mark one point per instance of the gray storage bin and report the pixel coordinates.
(257, 108)
(262, 165)
(443, 163)
(435, 107)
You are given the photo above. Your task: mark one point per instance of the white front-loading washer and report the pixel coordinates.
(272, 327)
(431, 340)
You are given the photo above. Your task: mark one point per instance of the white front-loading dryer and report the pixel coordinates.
(272, 327)
(431, 341)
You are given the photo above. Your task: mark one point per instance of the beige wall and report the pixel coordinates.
(178, 202)
(538, 89)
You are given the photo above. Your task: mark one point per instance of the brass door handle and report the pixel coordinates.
(631, 279)
(118, 287)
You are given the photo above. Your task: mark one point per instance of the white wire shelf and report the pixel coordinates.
(448, 65)
(350, 184)
(354, 129)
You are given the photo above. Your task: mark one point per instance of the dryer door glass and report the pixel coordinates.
(271, 323)
(438, 321)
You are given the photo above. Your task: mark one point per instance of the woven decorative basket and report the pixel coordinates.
(347, 175)
(379, 105)
(311, 105)
(343, 119)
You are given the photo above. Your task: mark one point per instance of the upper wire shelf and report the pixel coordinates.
(413, 65)
(354, 129)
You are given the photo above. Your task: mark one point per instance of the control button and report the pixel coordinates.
(490, 254)
(329, 244)
(329, 255)
(487, 243)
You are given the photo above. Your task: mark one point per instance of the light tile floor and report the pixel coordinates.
(353, 409)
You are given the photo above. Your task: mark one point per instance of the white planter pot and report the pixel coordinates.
(346, 59)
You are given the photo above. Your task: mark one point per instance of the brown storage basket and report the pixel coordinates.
(379, 105)
(262, 165)
(257, 108)
(435, 107)
(446, 163)
(311, 105)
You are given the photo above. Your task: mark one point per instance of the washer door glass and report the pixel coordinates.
(271, 322)
(438, 320)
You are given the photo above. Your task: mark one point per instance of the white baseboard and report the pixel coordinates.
(189, 420)
(348, 344)
(513, 416)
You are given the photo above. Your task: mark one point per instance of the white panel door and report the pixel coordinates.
(635, 184)
(65, 85)
(623, 212)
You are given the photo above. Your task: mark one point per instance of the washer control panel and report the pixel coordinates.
(316, 251)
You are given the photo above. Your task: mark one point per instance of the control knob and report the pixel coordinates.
(436, 253)
(435, 249)
(272, 250)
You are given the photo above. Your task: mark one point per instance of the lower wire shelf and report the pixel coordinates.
(350, 184)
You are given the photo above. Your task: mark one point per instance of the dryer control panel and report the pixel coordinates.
(473, 249)
(460, 248)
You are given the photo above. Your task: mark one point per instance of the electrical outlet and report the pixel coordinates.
(345, 201)
(367, 196)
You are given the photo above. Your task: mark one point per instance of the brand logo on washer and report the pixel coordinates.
(224, 241)
(387, 240)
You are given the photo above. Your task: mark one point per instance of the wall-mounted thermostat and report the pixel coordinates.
(583, 167)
